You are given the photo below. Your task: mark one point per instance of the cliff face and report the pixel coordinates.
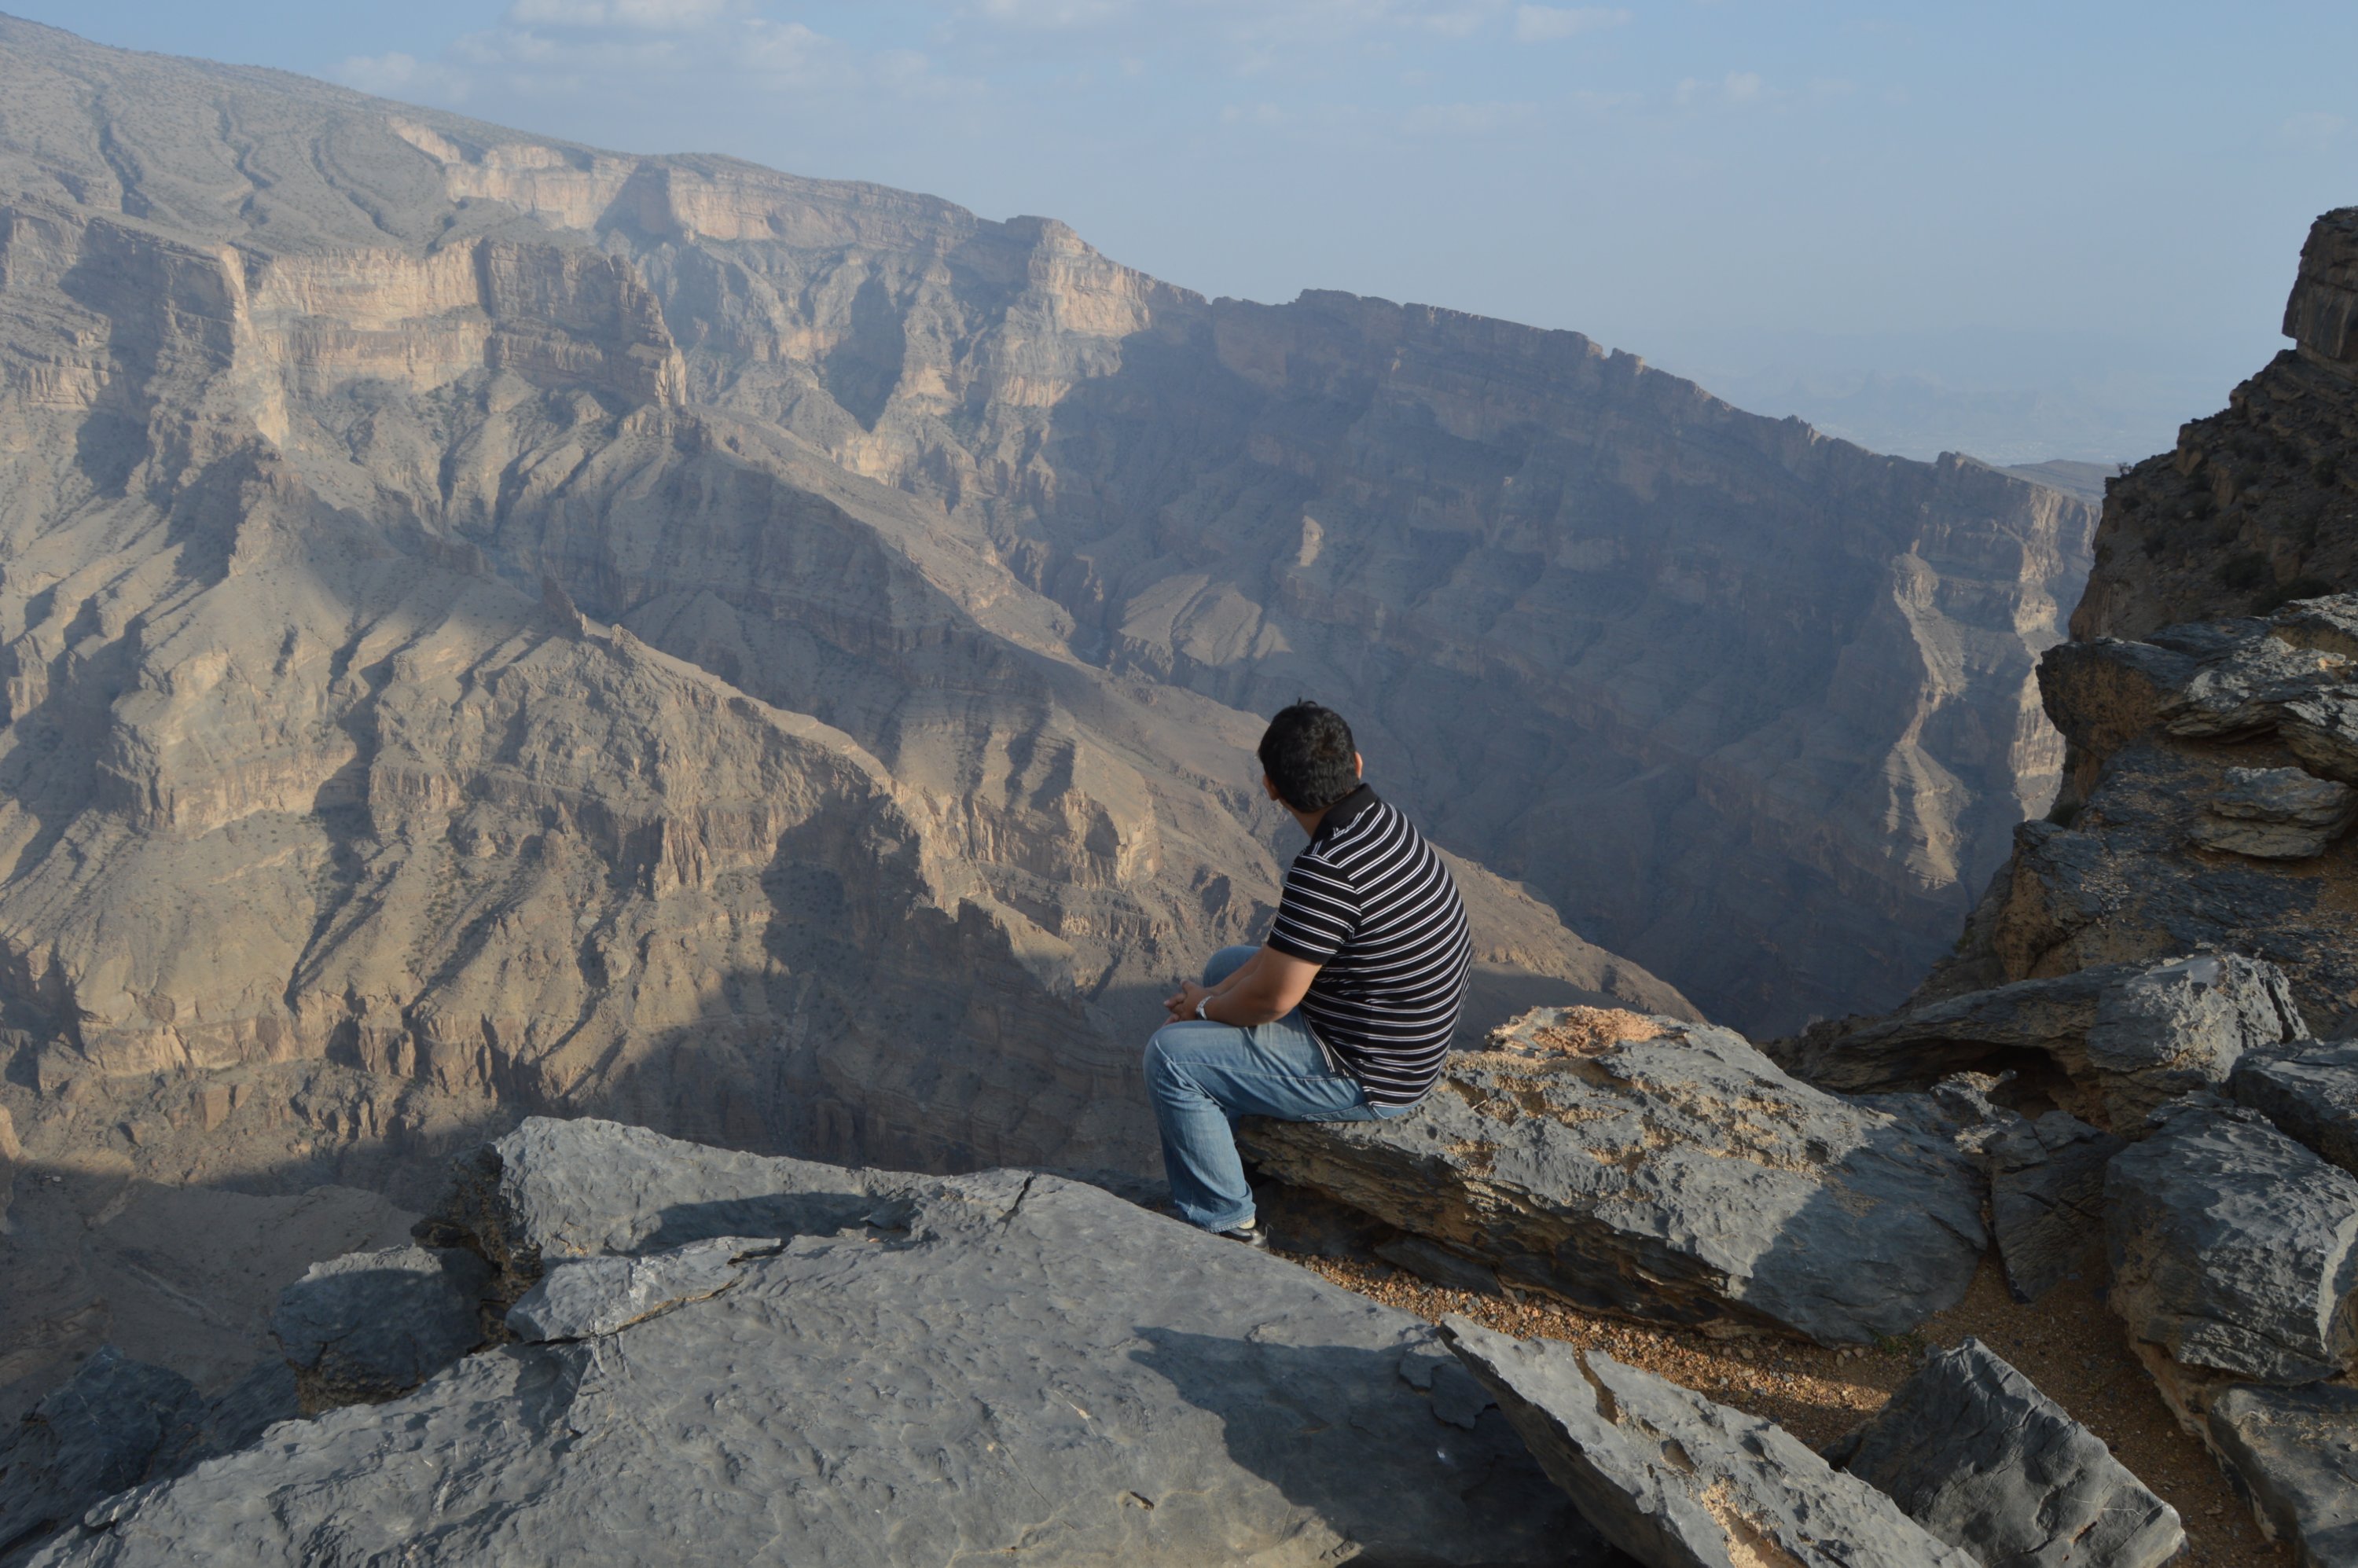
(408, 669)
(1749, 704)
(2259, 503)
(2211, 726)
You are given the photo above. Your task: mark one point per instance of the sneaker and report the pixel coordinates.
(1250, 1234)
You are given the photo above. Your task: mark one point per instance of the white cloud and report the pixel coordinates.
(404, 76)
(633, 48)
(1266, 116)
(1737, 89)
(1467, 119)
(646, 15)
(1055, 16)
(2314, 130)
(1542, 24)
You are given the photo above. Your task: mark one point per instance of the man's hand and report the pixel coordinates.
(1181, 1004)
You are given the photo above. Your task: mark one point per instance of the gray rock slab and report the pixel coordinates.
(2293, 1453)
(580, 1297)
(1027, 1365)
(2311, 1097)
(113, 1424)
(576, 1189)
(2182, 1026)
(2275, 814)
(1678, 1481)
(1972, 1451)
(2047, 1017)
(2232, 1245)
(1665, 1171)
(2047, 1201)
(2130, 1036)
(369, 1326)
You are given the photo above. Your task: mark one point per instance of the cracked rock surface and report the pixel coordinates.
(1666, 1171)
(2310, 1095)
(2047, 1200)
(2125, 1037)
(2295, 1453)
(2233, 1246)
(1007, 1362)
(582, 1297)
(1974, 1453)
(1678, 1481)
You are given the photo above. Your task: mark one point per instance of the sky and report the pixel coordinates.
(2021, 230)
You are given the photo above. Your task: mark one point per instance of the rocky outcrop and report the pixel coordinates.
(2130, 865)
(2117, 1040)
(2310, 1095)
(1676, 1480)
(117, 1423)
(2234, 1247)
(2294, 1453)
(369, 1326)
(920, 1369)
(2259, 504)
(2047, 1201)
(1972, 1451)
(1665, 1171)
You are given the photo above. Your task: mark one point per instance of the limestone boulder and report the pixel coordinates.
(116, 1422)
(1665, 1171)
(2294, 1455)
(2311, 1095)
(580, 1298)
(1972, 1451)
(2182, 1026)
(1678, 1481)
(2233, 1247)
(2124, 1037)
(2277, 814)
(1009, 1363)
(371, 1325)
(2047, 1201)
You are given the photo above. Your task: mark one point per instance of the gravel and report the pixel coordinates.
(2067, 1344)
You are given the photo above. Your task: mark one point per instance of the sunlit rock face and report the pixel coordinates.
(1749, 704)
(417, 667)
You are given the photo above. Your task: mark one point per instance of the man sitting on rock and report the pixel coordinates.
(1345, 1013)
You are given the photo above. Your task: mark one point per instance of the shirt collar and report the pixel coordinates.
(1340, 814)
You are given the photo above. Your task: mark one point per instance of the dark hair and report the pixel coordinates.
(1307, 751)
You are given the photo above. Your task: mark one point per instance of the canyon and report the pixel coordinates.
(491, 626)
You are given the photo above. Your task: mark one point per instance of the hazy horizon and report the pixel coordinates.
(2015, 233)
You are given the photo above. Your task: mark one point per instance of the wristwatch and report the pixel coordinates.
(1201, 1003)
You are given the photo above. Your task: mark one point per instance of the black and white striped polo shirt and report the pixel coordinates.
(1371, 903)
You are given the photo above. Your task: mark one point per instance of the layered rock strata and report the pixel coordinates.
(989, 504)
(425, 699)
(2115, 1041)
(1665, 1171)
(2130, 866)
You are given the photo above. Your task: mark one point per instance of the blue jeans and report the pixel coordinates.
(1203, 1076)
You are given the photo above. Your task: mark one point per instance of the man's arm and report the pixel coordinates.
(1265, 988)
